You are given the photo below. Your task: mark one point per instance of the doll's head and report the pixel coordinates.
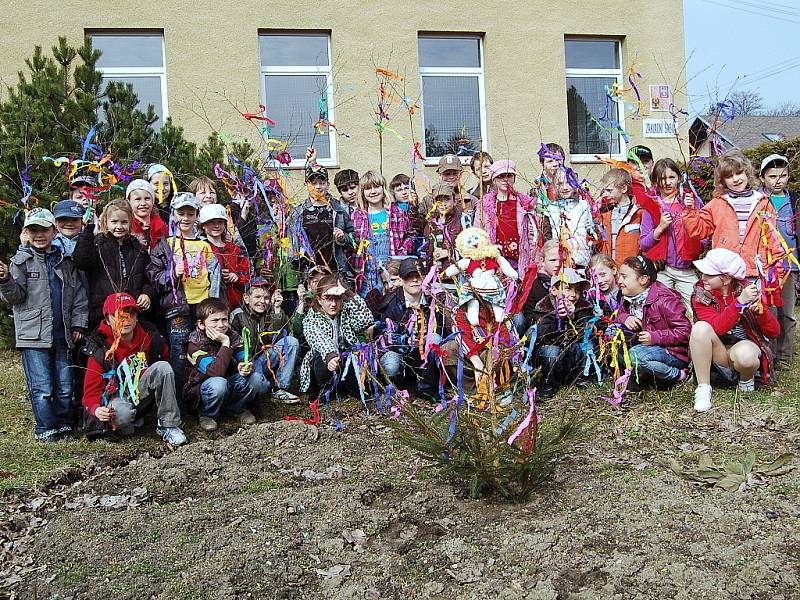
(474, 243)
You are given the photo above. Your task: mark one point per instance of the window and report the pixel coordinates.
(297, 81)
(774, 137)
(137, 59)
(595, 122)
(453, 103)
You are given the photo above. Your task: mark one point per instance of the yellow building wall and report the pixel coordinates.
(212, 60)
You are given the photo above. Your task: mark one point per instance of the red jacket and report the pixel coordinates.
(722, 314)
(231, 258)
(144, 340)
(149, 237)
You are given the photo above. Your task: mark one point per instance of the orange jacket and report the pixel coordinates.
(717, 220)
(626, 242)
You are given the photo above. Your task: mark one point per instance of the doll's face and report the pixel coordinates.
(473, 239)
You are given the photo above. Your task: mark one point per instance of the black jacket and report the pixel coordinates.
(102, 258)
(555, 331)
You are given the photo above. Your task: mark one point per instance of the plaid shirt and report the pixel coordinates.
(401, 242)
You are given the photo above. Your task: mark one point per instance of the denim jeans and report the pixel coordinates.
(395, 363)
(231, 393)
(559, 365)
(656, 362)
(179, 329)
(49, 377)
(282, 358)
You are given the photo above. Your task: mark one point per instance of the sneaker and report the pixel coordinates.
(702, 397)
(747, 386)
(208, 424)
(246, 417)
(174, 436)
(285, 397)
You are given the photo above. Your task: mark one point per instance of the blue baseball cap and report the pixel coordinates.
(68, 209)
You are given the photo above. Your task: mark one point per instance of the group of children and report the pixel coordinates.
(174, 300)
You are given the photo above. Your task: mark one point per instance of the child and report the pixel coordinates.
(147, 225)
(480, 164)
(136, 355)
(69, 222)
(163, 183)
(550, 266)
(603, 273)
(620, 216)
(346, 181)
(656, 316)
(551, 158)
(450, 170)
(442, 227)
(738, 217)
(775, 175)
(382, 231)
(241, 224)
(561, 318)
(305, 296)
(234, 266)
(403, 195)
(570, 218)
(184, 271)
(732, 326)
(663, 235)
(204, 190)
(219, 377)
(262, 316)
(114, 260)
(80, 189)
(50, 315)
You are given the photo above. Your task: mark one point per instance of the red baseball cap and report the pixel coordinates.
(118, 301)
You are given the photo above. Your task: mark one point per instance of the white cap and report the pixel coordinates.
(777, 158)
(141, 184)
(212, 211)
(41, 217)
(184, 199)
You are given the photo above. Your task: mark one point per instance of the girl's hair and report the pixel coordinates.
(113, 206)
(372, 179)
(201, 183)
(602, 260)
(323, 285)
(399, 179)
(550, 245)
(643, 267)
(660, 170)
(480, 157)
(730, 163)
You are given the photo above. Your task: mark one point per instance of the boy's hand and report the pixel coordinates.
(311, 155)
(333, 364)
(229, 276)
(440, 254)
(245, 209)
(4, 273)
(633, 323)
(143, 302)
(566, 308)
(104, 413)
(245, 369)
(218, 336)
(277, 300)
(338, 235)
(644, 338)
(25, 238)
(77, 336)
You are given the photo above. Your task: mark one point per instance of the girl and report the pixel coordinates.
(331, 327)
(657, 317)
(382, 231)
(184, 272)
(234, 265)
(570, 217)
(738, 217)
(551, 158)
(603, 275)
(663, 235)
(147, 225)
(507, 217)
(732, 326)
(114, 260)
(442, 227)
(164, 185)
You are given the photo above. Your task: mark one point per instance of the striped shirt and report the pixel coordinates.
(744, 207)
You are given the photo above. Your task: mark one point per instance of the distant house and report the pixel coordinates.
(742, 132)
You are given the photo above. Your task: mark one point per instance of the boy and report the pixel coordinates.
(305, 295)
(620, 216)
(561, 318)
(450, 171)
(774, 173)
(442, 226)
(80, 190)
(550, 267)
(479, 164)
(234, 265)
(140, 354)
(51, 314)
(220, 375)
(402, 190)
(69, 222)
(551, 158)
(321, 228)
(346, 181)
(183, 269)
(262, 316)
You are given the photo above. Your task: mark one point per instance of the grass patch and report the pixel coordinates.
(265, 484)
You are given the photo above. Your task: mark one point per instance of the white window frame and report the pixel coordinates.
(616, 73)
(457, 72)
(133, 72)
(300, 162)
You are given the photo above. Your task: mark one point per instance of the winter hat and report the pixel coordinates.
(155, 169)
(141, 184)
(721, 261)
(501, 167)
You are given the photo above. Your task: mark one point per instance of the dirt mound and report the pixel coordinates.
(286, 510)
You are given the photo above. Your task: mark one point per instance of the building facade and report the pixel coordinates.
(496, 76)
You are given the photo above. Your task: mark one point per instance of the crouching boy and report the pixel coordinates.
(220, 376)
(127, 372)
